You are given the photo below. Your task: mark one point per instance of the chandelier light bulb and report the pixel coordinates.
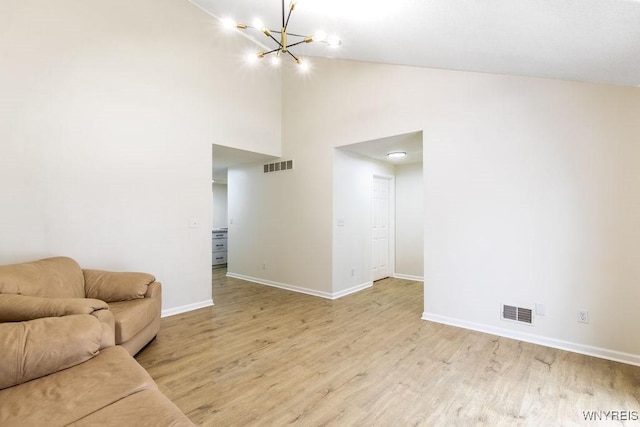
(320, 36)
(334, 41)
(257, 23)
(275, 60)
(252, 58)
(303, 65)
(228, 23)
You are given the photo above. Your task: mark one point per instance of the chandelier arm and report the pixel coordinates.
(275, 40)
(293, 56)
(283, 26)
(296, 43)
(245, 26)
(286, 23)
(272, 51)
(296, 35)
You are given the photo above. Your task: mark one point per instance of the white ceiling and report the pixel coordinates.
(223, 157)
(410, 143)
(583, 40)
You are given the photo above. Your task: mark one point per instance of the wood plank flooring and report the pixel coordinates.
(268, 357)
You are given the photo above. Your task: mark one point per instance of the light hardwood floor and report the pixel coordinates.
(268, 357)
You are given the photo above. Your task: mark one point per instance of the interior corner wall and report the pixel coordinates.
(531, 191)
(107, 116)
(352, 219)
(409, 226)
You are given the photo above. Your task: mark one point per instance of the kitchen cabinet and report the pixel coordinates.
(219, 247)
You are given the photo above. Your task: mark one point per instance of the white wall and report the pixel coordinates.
(409, 225)
(531, 191)
(219, 192)
(107, 116)
(352, 219)
(264, 219)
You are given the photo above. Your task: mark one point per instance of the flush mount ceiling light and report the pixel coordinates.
(396, 154)
(283, 43)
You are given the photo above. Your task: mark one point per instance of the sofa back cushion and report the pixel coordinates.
(58, 277)
(112, 286)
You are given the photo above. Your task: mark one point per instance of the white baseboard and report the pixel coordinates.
(603, 353)
(352, 290)
(408, 277)
(279, 285)
(307, 291)
(184, 308)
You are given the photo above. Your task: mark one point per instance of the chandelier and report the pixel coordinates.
(283, 39)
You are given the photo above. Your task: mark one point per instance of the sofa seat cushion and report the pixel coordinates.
(145, 408)
(132, 316)
(71, 394)
(59, 277)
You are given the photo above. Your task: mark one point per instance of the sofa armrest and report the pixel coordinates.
(18, 308)
(108, 323)
(113, 286)
(154, 291)
(40, 347)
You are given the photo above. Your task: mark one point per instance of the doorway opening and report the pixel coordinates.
(223, 159)
(378, 212)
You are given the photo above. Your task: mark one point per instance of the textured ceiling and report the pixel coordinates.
(582, 40)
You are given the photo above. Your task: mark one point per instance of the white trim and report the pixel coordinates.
(184, 308)
(408, 277)
(298, 289)
(352, 290)
(281, 285)
(603, 353)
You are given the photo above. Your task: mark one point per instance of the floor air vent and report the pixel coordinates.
(517, 314)
(278, 166)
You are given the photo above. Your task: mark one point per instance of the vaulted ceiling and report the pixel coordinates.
(582, 40)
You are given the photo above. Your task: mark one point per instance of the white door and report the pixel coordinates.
(381, 206)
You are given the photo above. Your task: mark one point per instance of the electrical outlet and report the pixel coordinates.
(264, 265)
(583, 316)
(353, 272)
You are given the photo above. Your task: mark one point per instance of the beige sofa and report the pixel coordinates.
(59, 364)
(56, 371)
(58, 286)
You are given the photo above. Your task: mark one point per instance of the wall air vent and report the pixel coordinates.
(283, 165)
(517, 314)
